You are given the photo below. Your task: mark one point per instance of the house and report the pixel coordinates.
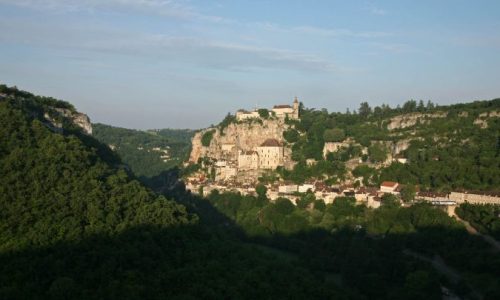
(389, 187)
(220, 163)
(288, 188)
(225, 172)
(306, 187)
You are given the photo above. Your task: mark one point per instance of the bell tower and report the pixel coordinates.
(295, 108)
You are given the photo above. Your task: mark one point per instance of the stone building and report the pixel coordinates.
(270, 154)
(389, 187)
(248, 160)
(244, 115)
(475, 197)
(227, 147)
(283, 111)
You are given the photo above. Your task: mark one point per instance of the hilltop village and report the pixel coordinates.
(248, 147)
(251, 147)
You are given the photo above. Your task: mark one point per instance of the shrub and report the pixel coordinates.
(207, 138)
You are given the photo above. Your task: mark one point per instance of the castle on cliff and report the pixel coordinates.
(280, 111)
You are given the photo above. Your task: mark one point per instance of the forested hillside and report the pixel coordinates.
(148, 153)
(446, 147)
(74, 225)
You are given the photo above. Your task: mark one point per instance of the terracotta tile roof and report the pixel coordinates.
(271, 143)
(250, 152)
(282, 106)
(432, 194)
(390, 184)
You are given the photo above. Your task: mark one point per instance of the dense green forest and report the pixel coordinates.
(485, 218)
(142, 151)
(75, 224)
(371, 250)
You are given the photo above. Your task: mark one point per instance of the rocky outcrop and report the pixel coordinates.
(335, 146)
(408, 120)
(400, 146)
(79, 119)
(245, 136)
(482, 119)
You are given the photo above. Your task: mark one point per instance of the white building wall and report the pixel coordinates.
(240, 116)
(288, 189)
(305, 187)
(270, 157)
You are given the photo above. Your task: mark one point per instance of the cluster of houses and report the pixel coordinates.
(267, 156)
(370, 196)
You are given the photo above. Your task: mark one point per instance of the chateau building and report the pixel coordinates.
(283, 111)
(242, 114)
(280, 111)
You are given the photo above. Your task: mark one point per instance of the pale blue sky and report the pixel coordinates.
(178, 64)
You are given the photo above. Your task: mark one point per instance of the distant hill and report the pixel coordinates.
(148, 153)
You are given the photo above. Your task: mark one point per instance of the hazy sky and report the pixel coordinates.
(185, 64)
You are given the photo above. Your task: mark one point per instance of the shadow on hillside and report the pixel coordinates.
(357, 257)
(216, 260)
(168, 183)
(192, 262)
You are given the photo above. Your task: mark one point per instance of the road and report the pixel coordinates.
(438, 263)
(490, 240)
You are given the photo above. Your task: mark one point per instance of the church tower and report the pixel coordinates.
(296, 108)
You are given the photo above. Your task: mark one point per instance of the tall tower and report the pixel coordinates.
(296, 108)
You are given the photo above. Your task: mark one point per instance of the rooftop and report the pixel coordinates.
(250, 152)
(271, 143)
(390, 184)
(282, 106)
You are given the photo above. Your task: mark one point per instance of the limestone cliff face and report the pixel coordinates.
(408, 120)
(243, 136)
(77, 118)
(482, 119)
